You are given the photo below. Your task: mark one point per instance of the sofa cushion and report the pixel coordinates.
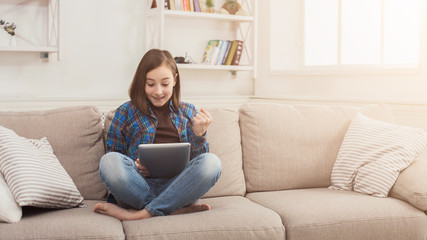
(232, 217)
(323, 214)
(295, 146)
(411, 184)
(34, 174)
(75, 134)
(224, 141)
(72, 223)
(372, 155)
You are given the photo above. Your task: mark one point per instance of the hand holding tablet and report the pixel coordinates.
(142, 169)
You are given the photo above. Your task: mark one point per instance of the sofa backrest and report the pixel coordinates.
(295, 146)
(224, 140)
(75, 134)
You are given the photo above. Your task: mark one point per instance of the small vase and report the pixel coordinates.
(12, 41)
(210, 10)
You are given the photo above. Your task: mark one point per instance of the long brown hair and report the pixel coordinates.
(154, 58)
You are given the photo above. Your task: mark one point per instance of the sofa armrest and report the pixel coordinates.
(411, 185)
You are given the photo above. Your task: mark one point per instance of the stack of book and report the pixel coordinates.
(223, 52)
(185, 5)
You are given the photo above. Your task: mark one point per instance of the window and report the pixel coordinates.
(344, 34)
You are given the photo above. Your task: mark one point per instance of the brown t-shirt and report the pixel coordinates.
(166, 131)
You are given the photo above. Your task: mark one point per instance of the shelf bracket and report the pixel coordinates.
(44, 55)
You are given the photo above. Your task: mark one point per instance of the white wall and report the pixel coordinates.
(99, 56)
(101, 48)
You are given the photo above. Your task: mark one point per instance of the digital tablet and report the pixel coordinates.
(164, 160)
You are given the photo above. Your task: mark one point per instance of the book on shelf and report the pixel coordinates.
(216, 52)
(227, 51)
(202, 6)
(188, 5)
(238, 53)
(185, 5)
(223, 52)
(197, 5)
(191, 3)
(172, 5)
(210, 49)
(231, 53)
(178, 5)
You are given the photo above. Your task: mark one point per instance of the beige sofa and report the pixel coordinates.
(277, 162)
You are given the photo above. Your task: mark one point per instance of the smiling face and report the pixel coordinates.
(159, 85)
(156, 80)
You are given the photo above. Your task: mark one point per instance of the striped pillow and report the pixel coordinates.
(10, 211)
(34, 174)
(372, 155)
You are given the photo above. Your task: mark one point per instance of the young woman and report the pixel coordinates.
(155, 114)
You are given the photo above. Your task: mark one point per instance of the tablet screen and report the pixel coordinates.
(164, 160)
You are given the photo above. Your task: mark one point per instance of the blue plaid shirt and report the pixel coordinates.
(131, 127)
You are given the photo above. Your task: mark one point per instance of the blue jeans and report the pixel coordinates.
(159, 196)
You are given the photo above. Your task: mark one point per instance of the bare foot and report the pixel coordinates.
(121, 213)
(192, 208)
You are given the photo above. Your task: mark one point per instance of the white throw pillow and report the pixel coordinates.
(10, 211)
(372, 155)
(34, 174)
